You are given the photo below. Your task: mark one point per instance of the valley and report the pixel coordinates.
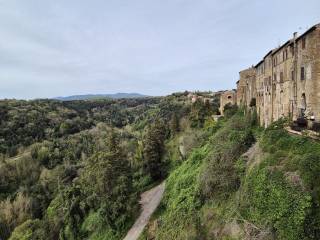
(78, 169)
(75, 169)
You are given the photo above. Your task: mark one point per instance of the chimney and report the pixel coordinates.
(295, 34)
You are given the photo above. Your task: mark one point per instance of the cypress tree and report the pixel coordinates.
(174, 124)
(154, 149)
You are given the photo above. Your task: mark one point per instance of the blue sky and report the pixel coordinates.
(65, 47)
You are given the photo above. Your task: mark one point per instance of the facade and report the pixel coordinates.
(246, 87)
(286, 82)
(227, 97)
(194, 97)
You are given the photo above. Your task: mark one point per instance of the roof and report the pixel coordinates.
(282, 46)
(270, 52)
(308, 31)
(259, 63)
(247, 69)
(229, 91)
(275, 50)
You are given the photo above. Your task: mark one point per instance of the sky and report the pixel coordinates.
(154, 47)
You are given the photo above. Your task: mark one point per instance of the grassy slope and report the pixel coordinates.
(276, 199)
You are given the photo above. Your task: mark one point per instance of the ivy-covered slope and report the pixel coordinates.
(271, 192)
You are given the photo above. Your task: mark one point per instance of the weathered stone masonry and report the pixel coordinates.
(286, 82)
(227, 97)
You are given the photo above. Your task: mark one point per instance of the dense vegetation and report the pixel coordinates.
(270, 192)
(75, 170)
(25, 122)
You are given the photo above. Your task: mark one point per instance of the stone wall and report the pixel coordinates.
(246, 86)
(308, 61)
(226, 98)
(286, 82)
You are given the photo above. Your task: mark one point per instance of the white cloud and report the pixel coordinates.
(51, 48)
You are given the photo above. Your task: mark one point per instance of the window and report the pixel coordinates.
(303, 43)
(229, 97)
(281, 77)
(292, 50)
(302, 74)
(284, 55)
(292, 75)
(274, 77)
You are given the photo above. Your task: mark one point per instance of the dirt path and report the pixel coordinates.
(149, 202)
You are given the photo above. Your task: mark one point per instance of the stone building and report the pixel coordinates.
(265, 89)
(286, 82)
(227, 97)
(246, 86)
(306, 87)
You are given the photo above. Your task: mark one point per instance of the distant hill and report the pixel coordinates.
(99, 96)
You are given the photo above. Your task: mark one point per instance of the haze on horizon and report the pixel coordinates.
(60, 48)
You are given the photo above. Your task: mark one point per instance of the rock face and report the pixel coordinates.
(149, 202)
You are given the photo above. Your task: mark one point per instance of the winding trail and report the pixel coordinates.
(150, 200)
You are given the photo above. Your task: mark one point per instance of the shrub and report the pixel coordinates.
(181, 201)
(220, 177)
(13, 213)
(96, 227)
(30, 230)
(229, 110)
(272, 201)
(287, 153)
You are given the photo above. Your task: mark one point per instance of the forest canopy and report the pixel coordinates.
(75, 169)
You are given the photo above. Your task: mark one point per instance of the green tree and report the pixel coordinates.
(199, 112)
(113, 142)
(229, 110)
(13, 213)
(174, 124)
(29, 230)
(153, 150)
(107, 182)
